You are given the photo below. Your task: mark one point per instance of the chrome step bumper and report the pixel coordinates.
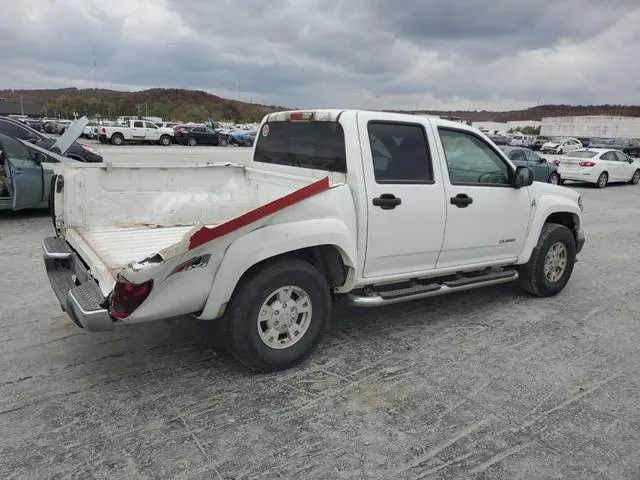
(79, 295)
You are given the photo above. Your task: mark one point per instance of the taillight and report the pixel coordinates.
(300, 115)
(556, 162)
(587, 164)
(127, 297)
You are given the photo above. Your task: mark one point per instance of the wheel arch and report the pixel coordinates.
(327, 244)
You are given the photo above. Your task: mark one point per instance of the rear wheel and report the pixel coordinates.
(117, 139)
(603, 179)
(192, 142)
(222, 142)
(551, 263)
(278, 315)
(636, 178)
(554, 179)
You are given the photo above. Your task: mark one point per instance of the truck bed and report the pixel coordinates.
(119, 246)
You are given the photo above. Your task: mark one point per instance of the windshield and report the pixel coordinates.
(314, 145)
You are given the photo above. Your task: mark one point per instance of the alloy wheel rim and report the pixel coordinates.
(284, 317)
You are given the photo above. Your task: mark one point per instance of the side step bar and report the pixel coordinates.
(420, 291)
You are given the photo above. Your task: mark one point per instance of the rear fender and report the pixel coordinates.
(269, 242)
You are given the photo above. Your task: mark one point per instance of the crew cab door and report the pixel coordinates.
(137, 130)
(487, 218)
(24, 175)
(405, 200)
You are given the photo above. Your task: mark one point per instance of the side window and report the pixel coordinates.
(12, 148)
(471, 160)
(198, 130)
(138, 125)
(150, 125)
(400, 153)
(610, 156)
(621, 157)
(531, 156)
(517, 155)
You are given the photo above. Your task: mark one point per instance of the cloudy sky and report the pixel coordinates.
(437, 54)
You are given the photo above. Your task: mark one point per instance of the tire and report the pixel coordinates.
(117, 139)
(636, 178)
(248, 143)
(222, 142)
(253, 293)
(560, 151)
(192, 142)
(165, 140)
(562, 181)
(554, 179)
(533, 278)
(603, 179)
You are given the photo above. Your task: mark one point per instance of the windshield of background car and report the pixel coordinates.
(581, 154)
(314, 145)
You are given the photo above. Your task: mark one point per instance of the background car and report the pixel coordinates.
(561, 145)
(19, 130)
(537, 142)
(543, 171)
(599, 166)
(198, 136)
(25, 174)
(244, 138)
(630, 147)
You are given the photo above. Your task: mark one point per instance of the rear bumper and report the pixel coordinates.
(587, 174)
(79, 295)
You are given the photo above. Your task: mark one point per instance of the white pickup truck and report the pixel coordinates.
(142, 131)
(369, 207)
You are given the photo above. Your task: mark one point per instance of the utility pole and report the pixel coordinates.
(21, 105)
(95, 68)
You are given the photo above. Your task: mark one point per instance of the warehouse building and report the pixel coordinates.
(591, 126)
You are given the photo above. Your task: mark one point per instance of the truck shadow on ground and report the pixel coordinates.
(184, 344)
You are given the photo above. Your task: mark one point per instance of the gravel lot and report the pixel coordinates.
(489, 384)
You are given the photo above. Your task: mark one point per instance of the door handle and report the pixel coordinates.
(387, 201)
(17, 171)
(462, 200)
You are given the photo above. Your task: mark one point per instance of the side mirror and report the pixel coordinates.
(40, 157)
(542, 160)
(523, 177)
(33, 139)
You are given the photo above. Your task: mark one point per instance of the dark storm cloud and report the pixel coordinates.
(376, 53)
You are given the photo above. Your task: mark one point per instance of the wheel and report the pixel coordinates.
(603, 179)
(636, 178)
(192, 142)
(248, 143)
(554, 179)
(62, 131)
(117, 139)
(222, 142)
(165, 140)
(278, 315)
(560, 151)
(551, 262)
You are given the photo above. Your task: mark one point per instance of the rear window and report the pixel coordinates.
(581, 154)
(314, 145)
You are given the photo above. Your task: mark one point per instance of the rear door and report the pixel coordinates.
(26, 184)
(610, 164)
(138, 131)
(405, 197)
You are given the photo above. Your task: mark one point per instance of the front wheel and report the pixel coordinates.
(278, 315)
(551, 263)
(165, 140)
(554, 179)
(192, 142)
(636, 178)
(222, 142)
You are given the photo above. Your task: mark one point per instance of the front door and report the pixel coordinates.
(540, 167)
(406, 208)
(26, 185)
(626, 167)
(487, 218)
